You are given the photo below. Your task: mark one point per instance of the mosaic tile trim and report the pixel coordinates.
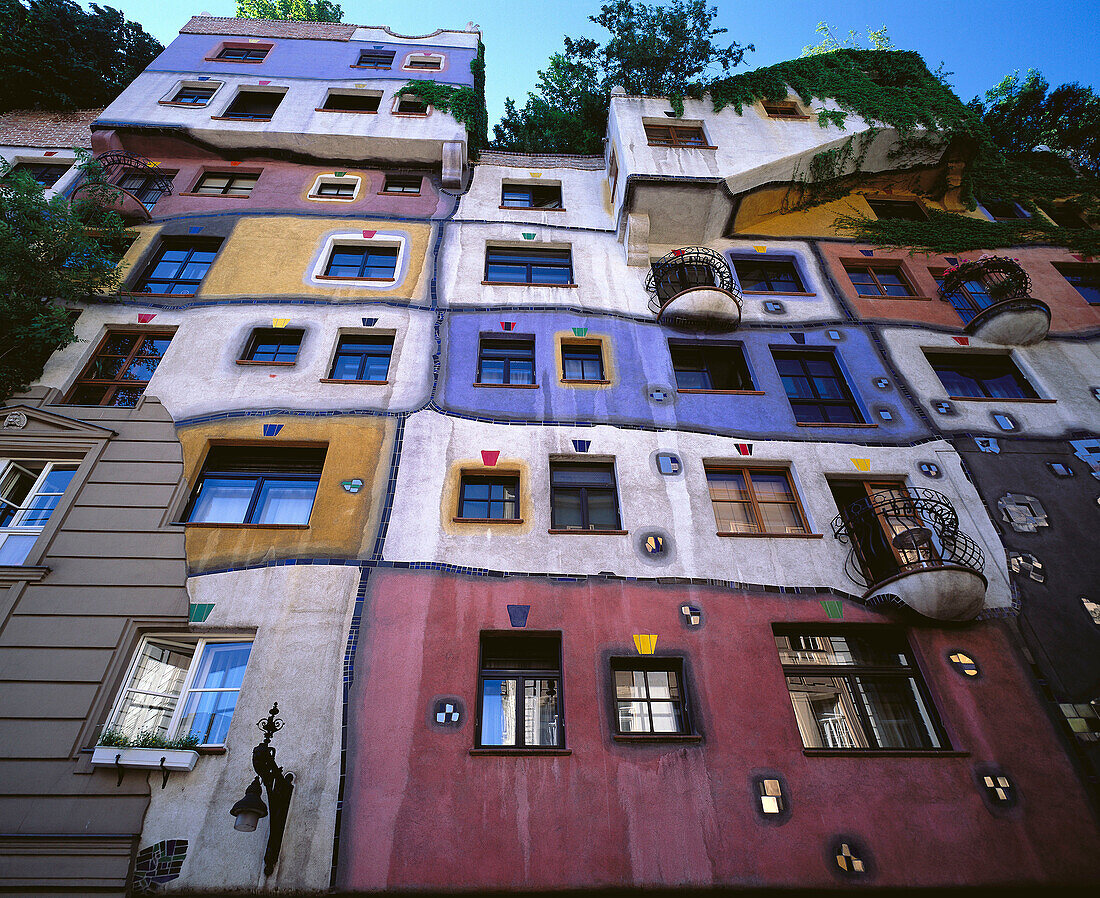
(158, 864)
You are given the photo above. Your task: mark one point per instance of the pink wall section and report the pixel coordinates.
(421, 812)
(282, 185)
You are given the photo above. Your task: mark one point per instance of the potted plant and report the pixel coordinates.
(147, 748)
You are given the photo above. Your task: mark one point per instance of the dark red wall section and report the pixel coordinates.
(421, 812)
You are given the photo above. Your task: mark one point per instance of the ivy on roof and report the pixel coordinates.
(464, 104)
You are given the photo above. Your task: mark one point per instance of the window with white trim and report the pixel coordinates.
(336, 189)
(29, 493)
(179, 686)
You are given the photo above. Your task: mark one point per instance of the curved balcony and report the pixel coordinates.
(992, 294)
(906, 542)
(693, 289)
(125, 183)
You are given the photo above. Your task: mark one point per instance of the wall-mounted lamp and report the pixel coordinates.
(280, 788)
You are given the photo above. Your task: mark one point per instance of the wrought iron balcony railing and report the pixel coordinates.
(688, 269)
(1000, 277)
(126, 182)
(900, 531)
(992, 295)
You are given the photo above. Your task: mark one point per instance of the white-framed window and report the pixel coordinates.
(333, 188)
(351, 258)
(424, 62)
(29, 493)
(179, 686)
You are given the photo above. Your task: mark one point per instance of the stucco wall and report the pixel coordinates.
(584, 195)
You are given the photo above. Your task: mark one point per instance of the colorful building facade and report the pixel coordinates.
(594, 522)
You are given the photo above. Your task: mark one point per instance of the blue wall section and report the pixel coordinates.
(640, 365)
(311, 59)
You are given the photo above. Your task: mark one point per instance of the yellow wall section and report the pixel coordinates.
(272, 256)
(342, 525)
(610, 372)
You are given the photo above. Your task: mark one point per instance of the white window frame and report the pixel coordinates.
(331, 176)
(356, 238)
(405, 67)
(199, 646)
(15, 528)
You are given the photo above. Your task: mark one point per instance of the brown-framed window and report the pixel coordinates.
(980, 375)
(583, 496)
(897, 210)
(494, 497)
(362, 357)
(122, 365)
(506, 361)
(273, 346)
(675, 136)
(582, 362)
(878, 280)
(409, 105)
(424, 63)
(253, 105)
(754, 500)
(1084, 278)
(773, 276)
(816, 387)
(243, 54)
(650, 697)
(857, 688)
(179, 266)
(336, 188)
(968, 299)
(374, 262)
(46, 174)
(519, 692)
(782, 109)
(375, 59)
(409, 184)
(544, 266)
(146, 186)
(530, 196)
(193, 96)
(226, 183)
(348, 102)
(710, 366)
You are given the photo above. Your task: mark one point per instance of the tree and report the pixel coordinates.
(300, 10)
(660, 51)
(880, 40)
(1024, 115)
(52, 253)
(55, 55)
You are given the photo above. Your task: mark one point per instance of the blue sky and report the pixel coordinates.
(980, 41)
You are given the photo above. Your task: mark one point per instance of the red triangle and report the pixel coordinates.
(962, 341)
(368, 234)
(489, 457)
(146, 317)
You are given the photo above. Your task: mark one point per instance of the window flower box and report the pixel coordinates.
(150, 758)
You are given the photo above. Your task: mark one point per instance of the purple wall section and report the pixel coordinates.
(310, 59)
(421, 812)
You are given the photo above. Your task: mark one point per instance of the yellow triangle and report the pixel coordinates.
(280, 322)
(645, 643)
(535, 174)
(760, 249)
(862, 464)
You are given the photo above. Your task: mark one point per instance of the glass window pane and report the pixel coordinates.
(630, 684)
(154, 687)
(826, 713)
(15, 547)
(285, 502)
(540, 712)
(666, 717)
(208, 715)
(633, 717)
(223, 500)
(346, 367)
(222, 665)
(498, 712)
(898, 716)
(780, 518)
(566, 512)
(603, 513)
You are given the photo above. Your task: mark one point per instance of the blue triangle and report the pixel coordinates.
(799, 338)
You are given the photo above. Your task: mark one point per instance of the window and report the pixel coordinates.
(193, 96)
(508, 265)
(44, 173)
(650, 697)
(782, 109)
(1003, 210)
(253, 106)
(768, 277)
(878, 280)
(343, 102)
(402, 184)
(897, 210)
(375, 59)
(969, 299)
(410, 105)
(243, 54)
(362, 358)
(816, 388)
(273, 346)
(519, 692)
(335, 188)
(528, 196)
(182, 687)
(675, 136)
(147, 187)
(179, 266)
(256, 485)
(583, 497)
(424, 63)
(974, 376)
(493, 498)
(754, 500)
(506, 362)
(1085, 279)
(121, 367)
(372, 262)
(857, 689)
(582, 362)
(710, 366)
(226, 184)
(1065, 215)
(29, 493)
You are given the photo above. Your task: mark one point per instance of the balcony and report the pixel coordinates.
(992, 296)
(124, 183)
(906, 542)
(692, 289)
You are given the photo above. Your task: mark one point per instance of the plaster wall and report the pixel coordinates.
(423, 811)
(437, 450)
(1063, 373)
(584, 194)
(35, 155)
(638, 363)
(199, 374)
(300, 616)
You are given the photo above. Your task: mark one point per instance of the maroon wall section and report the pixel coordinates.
(421, 812)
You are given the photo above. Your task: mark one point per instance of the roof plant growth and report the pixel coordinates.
(465, 104)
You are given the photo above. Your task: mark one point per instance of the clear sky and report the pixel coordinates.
(980, 41)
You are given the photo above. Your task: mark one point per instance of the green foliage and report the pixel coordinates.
(465, 104)
(56, 55)
(880, 40)
(299, 10)
(52, 253)
(114, 737)
(651, 50)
